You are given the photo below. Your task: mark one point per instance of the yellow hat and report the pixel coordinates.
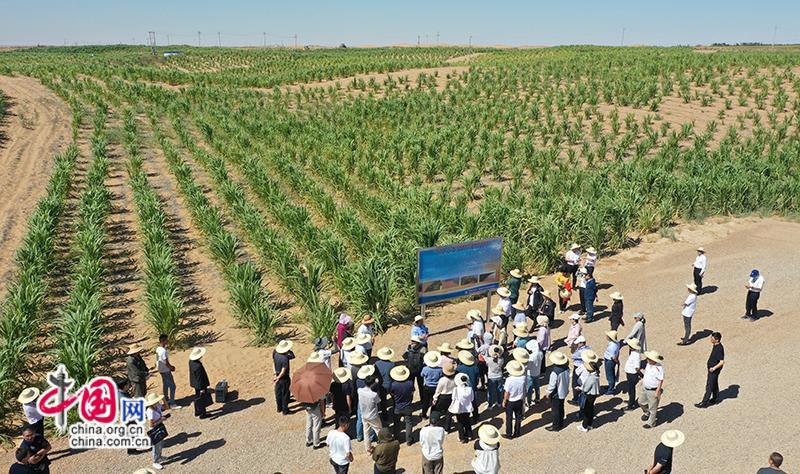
(589, 356)
(633, 343)
(134, 349)
(366, 371)
(673, 438)
(363, 338)
(315, 358)
(612, 335)
(616, 296)
(446, 348)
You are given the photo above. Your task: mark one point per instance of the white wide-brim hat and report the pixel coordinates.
(152, 398)
(489, 434)
(504, 292)
(342, 375)
(515, 273)
(284, 346)
(365, 371)
(28, 395)
(432, 358)
(515, 368)
(197, 353)
(385, 353)
(399, 373)
(357, 358)
(348, 344)
(363, 338)
(673, 438)
(558, 358)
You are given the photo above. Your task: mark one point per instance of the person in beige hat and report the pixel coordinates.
(461, 405)
(367, 328)
(611, 361)
(519, 313)
(137, 370)
(534, 297)
(699, 269)
(198, 380)
(633, 370)
(443, 395)
(548, 307)
(543, 333)
(487, 451)
(572, 259)
(467, 365)
(414, 357)
(513, 395)
(558, 388)
(505, 301)
(590, 260)
(513, 284)
(652, 386)
(563, 289)
(431, 374)
(341, 392)
(281, 358)
(475, 326)
(590, 388)
(494, 367)
(28, 399)
(154, 405)
(402, 391)
(616, 311)
(662, 458)
(420, 330)
(384, 365)
(687, 312)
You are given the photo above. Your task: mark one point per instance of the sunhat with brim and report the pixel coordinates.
(432, 358)
(633, 343)
(357, 358)
(638, 315)
(365, 371)
(673, 438)
(580, 339)
(28, 395)
(533, 279)
(582, 270)
(348, 344)
(612, 335)
(692, 287)
(385, 353)
(144, 470)
(419, 318)
(575, 317)
(342, 375)
(152, 398)
(465, 344)
(589, 356)
(589, 470)
(416, 339)
(542, 320)
(368, 319)
(547, 294)
(498, 321)
(515, 368)
(315, 358)
(462, 380)
(445, 348)
(284, 346)
(558, 358)
(521, 355)
(654, 356)
(489, 434)
(134, 349)
(197, 353)
(399, 373)
(591, 250)
(616, 296)
(574, 246)
(515, 273)
(363, 338)
(518, 306)
(521, 331)
(448, 370)
(474, 315)
(466, 358)
(495, 349)
(504, 292)
(498, 311)
(701, 249)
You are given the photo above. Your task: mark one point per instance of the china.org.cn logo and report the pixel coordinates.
(108, 420)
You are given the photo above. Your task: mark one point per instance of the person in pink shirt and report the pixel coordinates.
(575, 330)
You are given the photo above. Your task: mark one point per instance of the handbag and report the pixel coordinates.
(205, 398)
(157, 433)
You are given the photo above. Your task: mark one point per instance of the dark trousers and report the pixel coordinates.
(139, 389)
(751, 306)
(572, 270)
(199, 402)
(337, 469)
(403, 415)
(633, 379)
(483, 371)
(426, 396)
(38, 427)
(558, 411)
(442, 405)
(712, 387)
(698, 280)
(590, 269)
(587, 410)
(514, 414)
(418, 378)
(282, 394)
(687, 329)
(582, 299)
(575, 384)
(562, 304)
(464, 424)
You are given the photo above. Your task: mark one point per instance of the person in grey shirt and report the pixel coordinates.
(638, 331)
(590, 389)
(558, 388)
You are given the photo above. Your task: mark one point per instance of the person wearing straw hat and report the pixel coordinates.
(633, 370)
(348, 345)
(534, 297)
(341, 392)
(315, 416)
(482, 352)
(616, 311)
(431, 374)
(487, 451)
(543, 333)
(662, 458)
(548, 307)
(564, 289)
(198, 380)
(461, 405)
(357, 361)
(414, 357)
(443, 395)
(611, 361)
(28, 399)
(465, 345)
(590, 389)
(521, 334)
(572, 259)
(519, 313)
(402, 391)
(652, 386)
(505, 301)
(716, 360)
(385, 453)
(364, 344)
(575, 330)
(499, 324)
(384, 365)
(638, 330)
(699, 269)
(590, 260)
(431, 440)
(154, 405)
(687, 311)
(755, 284)
(420, 330)
(446, 351)
(340, 449)
(281, 357)
(468, 367)
(533, 370)
(558, 388)
(475, 326)
(368, 405)
(580, 284)
(590, 296)
(367, 328)
(513, 395)
(513, 284)
(494, 366)
(577, 362)
(137, 370)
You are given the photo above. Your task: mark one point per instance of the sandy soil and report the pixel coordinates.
(26, 158)
(248, 432)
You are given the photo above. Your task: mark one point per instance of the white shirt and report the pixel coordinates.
(689, 305)
(633, 363)
(326, 356)
(505, 303)
(432, 438)
(364, 329)
(590, 261)
(161, 359)
(653, 374)
(344, 356)
(520, 317)
(572, 257)
(515, 386)
(477, 330)
(700, 262)
(487, 459)
(31, 412)
(338, 447)
(462, 400)
(153, 413)
(368, 401)
(582, 373)
(757, 285)
(534, 366)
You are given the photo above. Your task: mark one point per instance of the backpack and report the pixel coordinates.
(415, 361)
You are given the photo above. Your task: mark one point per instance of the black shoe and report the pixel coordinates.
(746, 317)
(552, 428)
(308, 445)
(645, 417)
(701, 405)
(711, 402)
(573, 402)
(646, 426)
(630, 408)
(320, 445)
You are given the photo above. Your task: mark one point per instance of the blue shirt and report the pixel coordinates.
(402, 393)
(612, 351)
(472, 372)
(521, 341)
(383, 367)
(431, 376)
(420, 331)
(590, 292)
(576, 356)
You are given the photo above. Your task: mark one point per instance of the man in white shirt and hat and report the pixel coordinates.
(652, 386)
(505, 301)
(487, 452)
(689, 307)
(572, 259)
(28, 399)
(513, 395)
(558, 388)
(754, 286)
(699, 269)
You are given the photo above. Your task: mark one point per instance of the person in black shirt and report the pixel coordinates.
(775, 461)
(198, 380)
(341, 393)
(37, 447)
(715, 362)
(281, 357)
(662, 458)
(21, 466)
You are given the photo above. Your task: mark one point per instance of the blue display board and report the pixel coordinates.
(451, 271)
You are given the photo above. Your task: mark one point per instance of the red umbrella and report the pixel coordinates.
(311, 382)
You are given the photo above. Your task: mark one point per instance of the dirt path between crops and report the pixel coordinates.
(652, 278)
(37, 127)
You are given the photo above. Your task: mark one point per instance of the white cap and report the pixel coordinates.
(580, 339)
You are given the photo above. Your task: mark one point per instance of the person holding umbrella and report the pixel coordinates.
(198, 380)
(309, 387)
(280, 358)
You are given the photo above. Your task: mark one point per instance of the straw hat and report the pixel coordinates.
(516, 273)
(416, 339)
(284, 346)
(144, 470)
(542, 320)
(28, 395)
(616, 296)
(152, 398)
(533, 279)
(504, 292)
(134, 349)
(654, 356)
(692, 287)
(701, 249)
(519, 306)
(521, 355)
(432, 358)
(612, 335)
(363, 338)
(574, 246)
(515, 368)
(489, 434)
(580, 339)
(521, 331)
(368, 319)
(465, 344)
(357, 358)
(494, 348)
(198, 353)
(348, 344)
(365, 371)
(547, 294)
(589, 356)
(446, 348)
(558, 358)
(342, 375)
(589, 470)
(466, 358)
(575, 317)
(385, 353)
(399, 373)
(591, 250)
(315, 357)
(498, 311)
(673, 438)
(474, 315)
(462, 380)
(448, 369)
(419, 318)
(633, 343)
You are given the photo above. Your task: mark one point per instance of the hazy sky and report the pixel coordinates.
(376, 22)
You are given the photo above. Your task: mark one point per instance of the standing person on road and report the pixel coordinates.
(534, 298)
(754, 287)
(633, 370)
(548, 308)
(431, 374)
(475, 327)
(590, 294)
(165, 369)
(581, 286)
(699, 269)
(198, 380)
(414, 357)
(443, 395)
(533, 370)
(505, 302)
(689, 307)
(344, 330)
(494, 364)
(590, 260)
(513, 284)
(368, 329)
(154, 404)
(420, 330)
(652, 386)
(315, 415)
(714, 365)
(611, 361)
(775, 460)
(369, 404)
(385, 453)
(558, 388)
(662, 458)
(342, 392)
(280, 358)
(575, 331)
(38, 447)
(137, 370)
(340, 449)
(431, 439)
(467, 366)
(572, 259)
(563, 289)
(590, 389)
(461, 405)
(514, 391)
(616, 311)
(577, 362)
(28, 398)
(638, 330)
(402, 390)
(487, 451)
